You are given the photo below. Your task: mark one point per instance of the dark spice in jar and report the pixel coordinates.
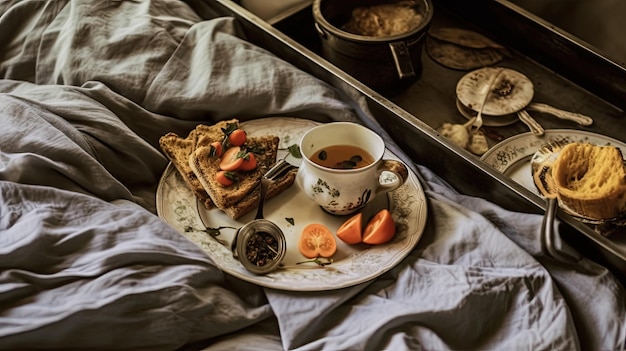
(261, 248)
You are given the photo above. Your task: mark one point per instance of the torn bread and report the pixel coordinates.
(205, 166)
(178, 150)
(591, 180)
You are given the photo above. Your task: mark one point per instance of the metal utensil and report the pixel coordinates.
(277, 171)
(478, 123)
(515, 94)
(530, 122)
(262, 225)
(566, 115)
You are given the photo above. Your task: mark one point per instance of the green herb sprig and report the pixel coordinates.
(318, 261)
(213, 232)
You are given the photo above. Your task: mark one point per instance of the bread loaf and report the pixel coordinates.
(591, 180)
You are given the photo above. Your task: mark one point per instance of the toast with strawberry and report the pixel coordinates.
(223, 166)
(206, 167)
(178, 149)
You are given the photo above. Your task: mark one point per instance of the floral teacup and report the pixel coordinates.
(341, 168)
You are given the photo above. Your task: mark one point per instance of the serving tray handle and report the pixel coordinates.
(548, 236)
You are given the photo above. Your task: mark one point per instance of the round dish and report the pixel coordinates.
(292, 211)
(471, 90)
(512, 156)
(541, 172)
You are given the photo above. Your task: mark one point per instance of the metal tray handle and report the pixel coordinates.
(548, 236)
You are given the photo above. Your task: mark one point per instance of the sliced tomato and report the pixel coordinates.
(226, 178)
(237, 137)
(350, 231)
(216, 149)
(249, 162)
(231, 159)
(317, 240)
(379, 229)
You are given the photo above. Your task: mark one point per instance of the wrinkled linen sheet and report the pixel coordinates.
(88, 87)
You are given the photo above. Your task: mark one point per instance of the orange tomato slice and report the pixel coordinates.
(216, 149)
(231, 160)
(249, 162)
(380, 229)
(237, 137)
(317, 240)
(350, 231)
(225, 178)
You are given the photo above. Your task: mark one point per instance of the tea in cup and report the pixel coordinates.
(341, 168)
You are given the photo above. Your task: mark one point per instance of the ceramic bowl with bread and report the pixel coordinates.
(588, 180)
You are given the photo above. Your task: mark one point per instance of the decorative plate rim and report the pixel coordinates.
(361, 264)
(522, 147)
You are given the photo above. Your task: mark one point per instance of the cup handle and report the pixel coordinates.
(399, 169)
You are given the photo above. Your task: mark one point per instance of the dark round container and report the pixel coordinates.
(246, 239)
(384, 63)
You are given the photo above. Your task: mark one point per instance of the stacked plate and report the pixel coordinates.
(512, 92)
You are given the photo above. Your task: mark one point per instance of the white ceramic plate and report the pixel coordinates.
(512, 156)
(472, 88)
(292, 211)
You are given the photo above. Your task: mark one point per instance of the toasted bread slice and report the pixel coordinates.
(251, 201)
(178, 150)
(205, 167)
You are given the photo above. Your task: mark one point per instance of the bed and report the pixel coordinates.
(87, 262)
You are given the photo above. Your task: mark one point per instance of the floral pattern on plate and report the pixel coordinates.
(512, 156)
(291, 210)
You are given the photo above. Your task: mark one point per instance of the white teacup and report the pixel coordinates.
(343, 191)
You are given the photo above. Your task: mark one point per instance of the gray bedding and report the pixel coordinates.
(86, 90)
